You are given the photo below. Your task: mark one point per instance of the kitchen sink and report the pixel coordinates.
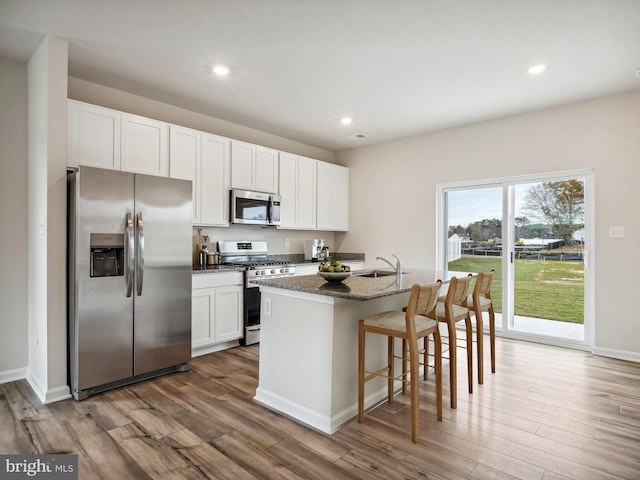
(375, 273)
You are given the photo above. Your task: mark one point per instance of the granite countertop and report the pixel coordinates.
(216, 268)
(356, 287)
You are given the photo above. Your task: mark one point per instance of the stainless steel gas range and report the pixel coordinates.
(253, 255)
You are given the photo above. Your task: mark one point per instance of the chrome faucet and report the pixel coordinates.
(397, 268)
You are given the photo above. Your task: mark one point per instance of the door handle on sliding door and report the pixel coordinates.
(140, 254)
(129, 253)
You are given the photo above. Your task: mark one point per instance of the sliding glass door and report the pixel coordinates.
(534, 231)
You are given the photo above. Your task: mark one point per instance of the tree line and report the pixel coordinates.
(553, 210)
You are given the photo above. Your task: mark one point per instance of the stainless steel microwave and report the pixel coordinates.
(255, 208)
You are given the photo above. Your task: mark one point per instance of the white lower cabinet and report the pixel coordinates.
(216, 311)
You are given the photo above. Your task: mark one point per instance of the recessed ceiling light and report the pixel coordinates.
(537, 69)
(221, 70)
(346, 120)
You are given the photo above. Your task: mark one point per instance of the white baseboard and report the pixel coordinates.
(13, 375)
(48, 395)
(312, 418)
(57, 394)
(619, 354)
(196, 352)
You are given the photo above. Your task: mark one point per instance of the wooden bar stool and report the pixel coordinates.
(451, 309)
(409, 326)
(480, 301)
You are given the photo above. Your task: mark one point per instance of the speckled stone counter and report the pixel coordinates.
(356, 287)
(216, 268)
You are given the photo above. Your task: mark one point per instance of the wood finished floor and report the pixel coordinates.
(548, 413)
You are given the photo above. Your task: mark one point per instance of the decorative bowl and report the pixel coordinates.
(334, 276)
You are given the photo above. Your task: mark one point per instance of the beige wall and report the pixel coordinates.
(13, 212)
(603, 135)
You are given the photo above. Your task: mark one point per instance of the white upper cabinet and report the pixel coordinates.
(215, 180)
(333, 197)
(204, 159)
(185, 157)
(298, 191)
(144, 147)
(94, 136)
(254, 167)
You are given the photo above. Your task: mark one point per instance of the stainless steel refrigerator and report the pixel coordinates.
(129, 278)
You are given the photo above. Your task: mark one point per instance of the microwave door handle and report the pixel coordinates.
(129, 253)
(140, 255)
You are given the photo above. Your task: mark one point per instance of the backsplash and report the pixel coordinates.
(274, 237)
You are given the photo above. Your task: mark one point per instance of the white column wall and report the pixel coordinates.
(47, 126)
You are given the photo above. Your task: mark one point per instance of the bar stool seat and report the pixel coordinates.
(408, 326)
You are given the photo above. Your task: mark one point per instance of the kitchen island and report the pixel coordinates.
(309, 343)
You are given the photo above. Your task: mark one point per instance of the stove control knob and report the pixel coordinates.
(273, 272)
(258, 273)
(262, 272)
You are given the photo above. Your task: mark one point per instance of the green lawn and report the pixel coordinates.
(543, 289)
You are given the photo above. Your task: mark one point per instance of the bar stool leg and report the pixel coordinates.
(480, 342)
(361, 372)
(390, 369)
(453, 365)
(469, 330)
(492, 338)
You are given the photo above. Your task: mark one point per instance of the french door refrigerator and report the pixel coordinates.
(129, 278)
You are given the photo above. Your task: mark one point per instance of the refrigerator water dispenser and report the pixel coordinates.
(107, 255)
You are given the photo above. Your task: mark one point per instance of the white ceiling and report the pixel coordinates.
(398, 67)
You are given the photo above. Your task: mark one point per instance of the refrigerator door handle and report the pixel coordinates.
(129, 253)
(140, 255)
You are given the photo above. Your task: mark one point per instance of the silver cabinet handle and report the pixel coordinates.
(140, 256)
(129, 253)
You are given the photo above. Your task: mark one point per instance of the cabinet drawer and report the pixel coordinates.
(208, 280)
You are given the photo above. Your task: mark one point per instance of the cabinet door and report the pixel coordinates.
(242, 169)
(341, 198)
(184, 161)
(333, 197)
(94, 136)
(288, 184)
(144, 146)
(215, 180)
(306, 197)
(266, 170)
(202, 315)
(228, 313)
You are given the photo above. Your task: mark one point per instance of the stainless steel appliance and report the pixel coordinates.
(129, 278)
(315, 250)
(254, 257)
(255, 208)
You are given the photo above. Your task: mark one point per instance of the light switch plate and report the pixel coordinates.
(616, 232)
(267, 306)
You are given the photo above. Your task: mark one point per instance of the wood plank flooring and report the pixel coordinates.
(547, 414)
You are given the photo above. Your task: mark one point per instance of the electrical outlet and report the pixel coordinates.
(616, 232)
(267, 307)
(286, 242)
